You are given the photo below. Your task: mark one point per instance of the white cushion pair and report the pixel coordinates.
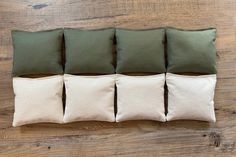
(87, 98)
(92, 98)
(189, 97)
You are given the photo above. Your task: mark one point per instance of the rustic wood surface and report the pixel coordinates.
(137, 138)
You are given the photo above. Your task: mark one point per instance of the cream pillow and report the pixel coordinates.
(38, 100)
(89, 98)
(140, 97)
(191, 97)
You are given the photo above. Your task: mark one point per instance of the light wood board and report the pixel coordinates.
(136, 138)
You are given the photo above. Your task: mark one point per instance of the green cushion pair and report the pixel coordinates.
(92, 51)
(42, 52)
(187, 51)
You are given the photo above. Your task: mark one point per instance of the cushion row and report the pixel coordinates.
(92, 51)
(92, 98)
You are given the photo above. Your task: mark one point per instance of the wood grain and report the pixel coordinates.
(137, 138)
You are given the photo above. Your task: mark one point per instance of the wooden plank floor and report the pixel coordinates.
(137, 138)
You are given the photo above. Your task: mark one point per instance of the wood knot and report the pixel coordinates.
(228, 146)
(215, 139)
(39, 6)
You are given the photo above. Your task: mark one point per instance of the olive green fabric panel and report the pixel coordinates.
(191, 51)
(37, 52)
(89, 51)
(140, 51)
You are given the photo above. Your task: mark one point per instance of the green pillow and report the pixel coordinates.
(89, 51)
(140, 51)
(191, 51)
(37, 52)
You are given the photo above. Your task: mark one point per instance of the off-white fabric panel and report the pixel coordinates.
(140, 97)
(89, 98)
(191, 97)
(38, 100)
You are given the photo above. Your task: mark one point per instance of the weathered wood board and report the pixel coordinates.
(137, 138)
